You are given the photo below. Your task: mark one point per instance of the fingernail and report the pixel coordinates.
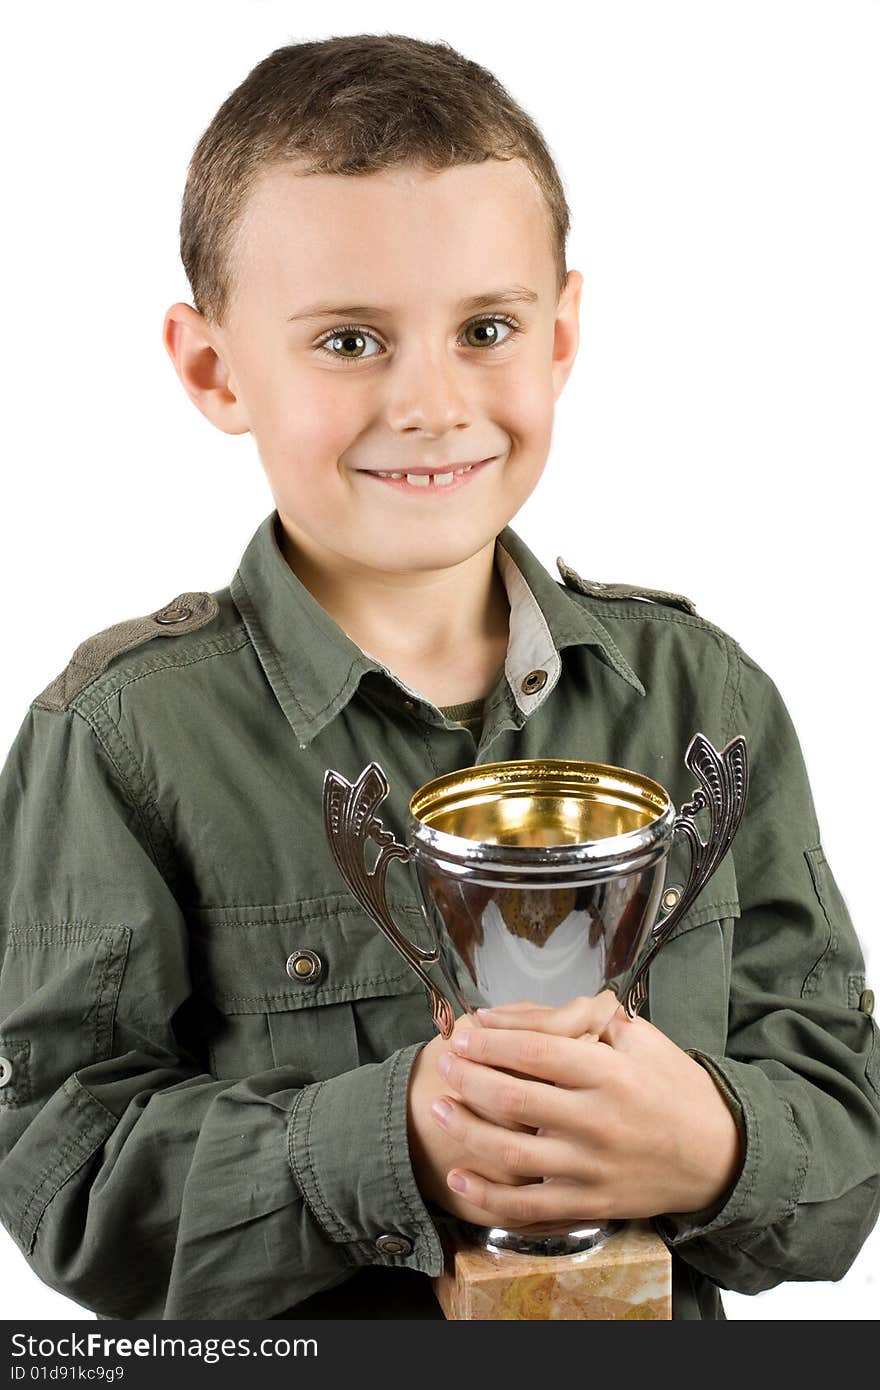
(441, 1110)
(444, 1064)
(457, 1182)
(483, 1013)
(461, 1042)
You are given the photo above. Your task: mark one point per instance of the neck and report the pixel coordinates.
(417, 623)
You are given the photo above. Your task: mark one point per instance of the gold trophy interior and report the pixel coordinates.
(541, 879)
(538, 804)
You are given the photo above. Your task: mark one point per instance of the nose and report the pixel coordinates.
(427, 393)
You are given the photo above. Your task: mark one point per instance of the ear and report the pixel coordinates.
(566, 330)
(198, 356)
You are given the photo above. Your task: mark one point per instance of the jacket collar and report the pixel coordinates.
(314, 667)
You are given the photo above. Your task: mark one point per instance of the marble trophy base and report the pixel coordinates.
(628, 1276)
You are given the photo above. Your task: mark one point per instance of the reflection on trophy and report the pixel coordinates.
(540, 879)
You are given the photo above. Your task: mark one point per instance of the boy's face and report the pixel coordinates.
(419, 380)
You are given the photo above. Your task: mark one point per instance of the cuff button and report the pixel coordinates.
(394, 1245)
(5, 1071)
(866, 1001)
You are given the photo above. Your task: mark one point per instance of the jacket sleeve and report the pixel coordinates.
(132, 1180)
(801, 1069)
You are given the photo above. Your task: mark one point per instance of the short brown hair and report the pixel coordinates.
(350, 104)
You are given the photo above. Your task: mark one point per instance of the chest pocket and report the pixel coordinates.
(311, 985)
(689, 978)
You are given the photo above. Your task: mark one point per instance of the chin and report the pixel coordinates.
(434, 552)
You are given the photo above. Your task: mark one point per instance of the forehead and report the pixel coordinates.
(394, 232)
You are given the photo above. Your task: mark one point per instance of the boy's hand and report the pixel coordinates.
(433, 1152)
(618, 1120)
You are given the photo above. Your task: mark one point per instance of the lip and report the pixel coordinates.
(458, 482)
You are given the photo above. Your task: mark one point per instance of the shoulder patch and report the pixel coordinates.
(186, 613)
(595, 589)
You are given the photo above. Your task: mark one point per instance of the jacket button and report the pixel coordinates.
(173, 615)
(305, 967)
(394, 1245)
(533, 682)
(5, 1071)
(866, 1001)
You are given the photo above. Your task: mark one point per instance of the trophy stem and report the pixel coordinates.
(563, 1238)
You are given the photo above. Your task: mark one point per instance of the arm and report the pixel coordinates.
(801, 1069)
(133, 1181)
(758, 1165)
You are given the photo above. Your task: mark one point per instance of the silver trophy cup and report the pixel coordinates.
(541, 879)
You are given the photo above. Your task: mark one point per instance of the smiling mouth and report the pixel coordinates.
(428, 483)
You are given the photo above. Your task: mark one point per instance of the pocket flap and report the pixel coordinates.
(240, 954)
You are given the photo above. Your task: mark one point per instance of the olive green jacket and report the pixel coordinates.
(191, 1129)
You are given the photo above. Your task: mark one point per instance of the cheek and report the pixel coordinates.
(293, 410)
(303, 435)
(523, 402)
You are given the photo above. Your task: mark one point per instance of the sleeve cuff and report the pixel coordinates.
(774, 1164)
(349, 1153)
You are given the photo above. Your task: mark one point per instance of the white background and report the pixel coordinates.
(719, 435)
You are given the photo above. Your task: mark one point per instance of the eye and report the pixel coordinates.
(492, 339)
(347, 342)
(350, 338)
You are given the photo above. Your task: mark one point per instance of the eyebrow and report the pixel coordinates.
(512, 294)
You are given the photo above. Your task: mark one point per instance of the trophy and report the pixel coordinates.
(540, 879)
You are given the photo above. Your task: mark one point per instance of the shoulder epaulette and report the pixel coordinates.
(186, 613)
(595, 589)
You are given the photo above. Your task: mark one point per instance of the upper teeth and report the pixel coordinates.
(425, 479)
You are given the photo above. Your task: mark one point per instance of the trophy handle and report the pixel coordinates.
(349, 820)
(725, 779)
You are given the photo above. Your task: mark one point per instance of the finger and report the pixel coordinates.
(492, 1118)
(516, 1007)
(522, 1205)
(463, 1022)
(587, 1013)
(512, 1153)
(564, 1061)
(506, 1098)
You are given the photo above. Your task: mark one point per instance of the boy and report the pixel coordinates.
(222, 1093)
